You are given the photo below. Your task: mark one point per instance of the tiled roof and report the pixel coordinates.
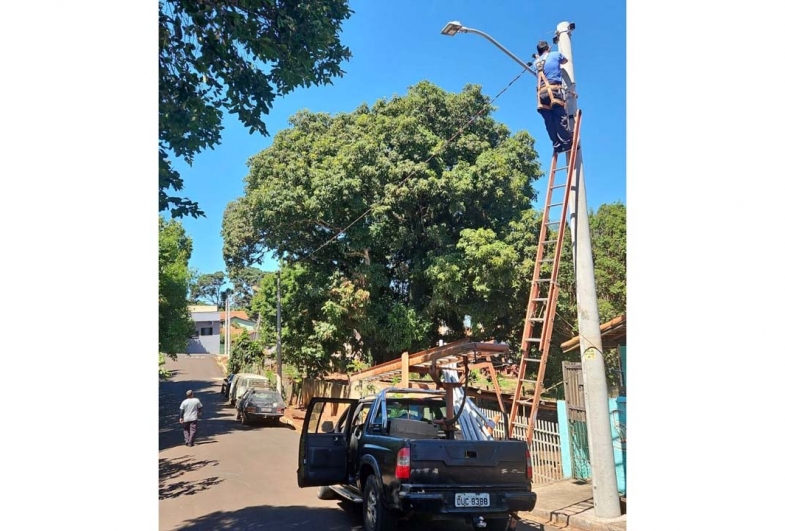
(238, 313)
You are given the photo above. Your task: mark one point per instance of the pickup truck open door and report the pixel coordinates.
(323, 449)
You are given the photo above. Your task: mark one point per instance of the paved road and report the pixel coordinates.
(238, 477)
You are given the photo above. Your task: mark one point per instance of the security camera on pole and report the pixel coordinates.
(603, 467)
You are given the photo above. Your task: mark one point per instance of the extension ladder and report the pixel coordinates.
(541, 309)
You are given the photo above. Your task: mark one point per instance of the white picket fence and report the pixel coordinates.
(545, 448)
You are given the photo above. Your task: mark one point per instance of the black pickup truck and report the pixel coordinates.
(393, 454)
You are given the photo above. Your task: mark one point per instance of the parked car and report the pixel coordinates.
(392, 454)
(242, 382)
(226, 385)
(257, 405)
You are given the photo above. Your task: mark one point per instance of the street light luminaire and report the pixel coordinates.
(452, 28)
(456, 27)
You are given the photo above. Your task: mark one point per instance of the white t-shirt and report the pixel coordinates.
(190, 409)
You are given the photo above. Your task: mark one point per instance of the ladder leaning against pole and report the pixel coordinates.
(541, 308)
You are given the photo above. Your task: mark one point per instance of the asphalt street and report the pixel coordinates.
(238, 477)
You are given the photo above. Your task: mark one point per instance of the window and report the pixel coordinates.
(206, 331)
(359, 417)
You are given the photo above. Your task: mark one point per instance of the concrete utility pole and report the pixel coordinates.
(595, 387)
(278, 382)
(227, 326)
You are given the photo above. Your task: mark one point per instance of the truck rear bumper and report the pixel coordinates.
(442, 500)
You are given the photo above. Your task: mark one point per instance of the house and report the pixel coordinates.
(207, 327)
(239, 321)
(238, 318)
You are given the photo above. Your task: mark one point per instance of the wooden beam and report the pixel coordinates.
(430, 355)
(575, 342)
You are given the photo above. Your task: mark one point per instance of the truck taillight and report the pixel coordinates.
(403, 464)
(528, 464)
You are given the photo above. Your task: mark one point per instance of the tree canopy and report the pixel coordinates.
(450, 229)
(245, 282)
(235, 56)
(174, 320)
(209, 288)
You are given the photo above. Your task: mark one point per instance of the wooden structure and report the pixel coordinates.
(461, 355)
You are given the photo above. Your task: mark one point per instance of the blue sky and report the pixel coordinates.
(396, 44)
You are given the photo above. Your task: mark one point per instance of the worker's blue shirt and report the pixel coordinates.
(552, 66)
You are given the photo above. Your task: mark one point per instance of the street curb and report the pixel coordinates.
(578, 521)
(289, 422)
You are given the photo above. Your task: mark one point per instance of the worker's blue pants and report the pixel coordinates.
(558, 126)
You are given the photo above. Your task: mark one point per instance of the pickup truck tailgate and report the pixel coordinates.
(459, 462)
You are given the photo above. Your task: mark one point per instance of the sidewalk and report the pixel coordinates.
(568, 502)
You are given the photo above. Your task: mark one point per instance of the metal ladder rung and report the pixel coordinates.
(560, 169)
(550, 241)
(525, 402)
(558, 186)
(554, 222)
(541, 299)
(533, 360)
(530, 381)
(534, 339)
(537, 319)
(542, 280)
(546, 260)
(555, 205)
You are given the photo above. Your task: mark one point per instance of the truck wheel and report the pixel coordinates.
(376, 517)
(325, 493)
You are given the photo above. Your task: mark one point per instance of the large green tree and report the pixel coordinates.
(450, 229)
(209, 288)
(174, 321)
(235, 56)
(245, 282)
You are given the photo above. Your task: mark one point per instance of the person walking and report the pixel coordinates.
(190, 411)
(551, 97)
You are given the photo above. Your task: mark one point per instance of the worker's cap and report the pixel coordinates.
(189, 393)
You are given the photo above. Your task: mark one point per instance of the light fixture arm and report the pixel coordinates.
(499, 46)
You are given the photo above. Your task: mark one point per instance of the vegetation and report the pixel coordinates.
(246, 353)
(235, 56)
(609, 251)
(209, 289)
(174, 321)
(450, 229)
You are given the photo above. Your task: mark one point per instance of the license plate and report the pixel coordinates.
(250, 410)
(464, 499)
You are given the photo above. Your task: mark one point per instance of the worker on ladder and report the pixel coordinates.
(551, 96)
